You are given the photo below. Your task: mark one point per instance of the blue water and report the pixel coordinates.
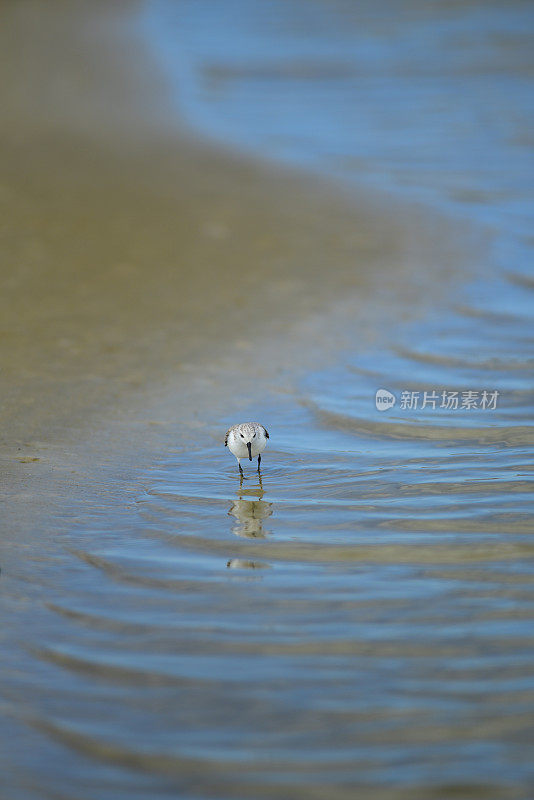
(428, 100)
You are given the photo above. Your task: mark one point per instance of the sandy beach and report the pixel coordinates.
(131, 249)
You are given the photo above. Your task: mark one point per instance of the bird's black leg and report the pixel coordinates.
(240, 468)
(259, 462)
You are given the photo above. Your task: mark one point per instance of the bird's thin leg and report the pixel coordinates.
(259, 462)
(240, 467)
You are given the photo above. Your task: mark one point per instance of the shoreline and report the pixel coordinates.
(127, 255)
(136, 256)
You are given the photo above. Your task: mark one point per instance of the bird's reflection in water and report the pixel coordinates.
(250, 510)
(243, 563)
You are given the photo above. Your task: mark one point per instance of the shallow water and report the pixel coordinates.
(360, 620)
(359, 616)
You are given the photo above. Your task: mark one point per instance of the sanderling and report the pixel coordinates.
(246, 439)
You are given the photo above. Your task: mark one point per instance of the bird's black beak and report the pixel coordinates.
(249, 445)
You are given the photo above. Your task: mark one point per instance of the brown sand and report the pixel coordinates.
(127, 250)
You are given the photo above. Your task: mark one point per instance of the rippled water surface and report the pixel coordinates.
(358, 621)
(359, 615)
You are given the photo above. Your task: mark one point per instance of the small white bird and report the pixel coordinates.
(246, 440)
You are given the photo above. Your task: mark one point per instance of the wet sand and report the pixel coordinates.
(128, 251)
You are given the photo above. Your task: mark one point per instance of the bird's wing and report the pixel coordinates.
(266, 432)
(226, 437)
